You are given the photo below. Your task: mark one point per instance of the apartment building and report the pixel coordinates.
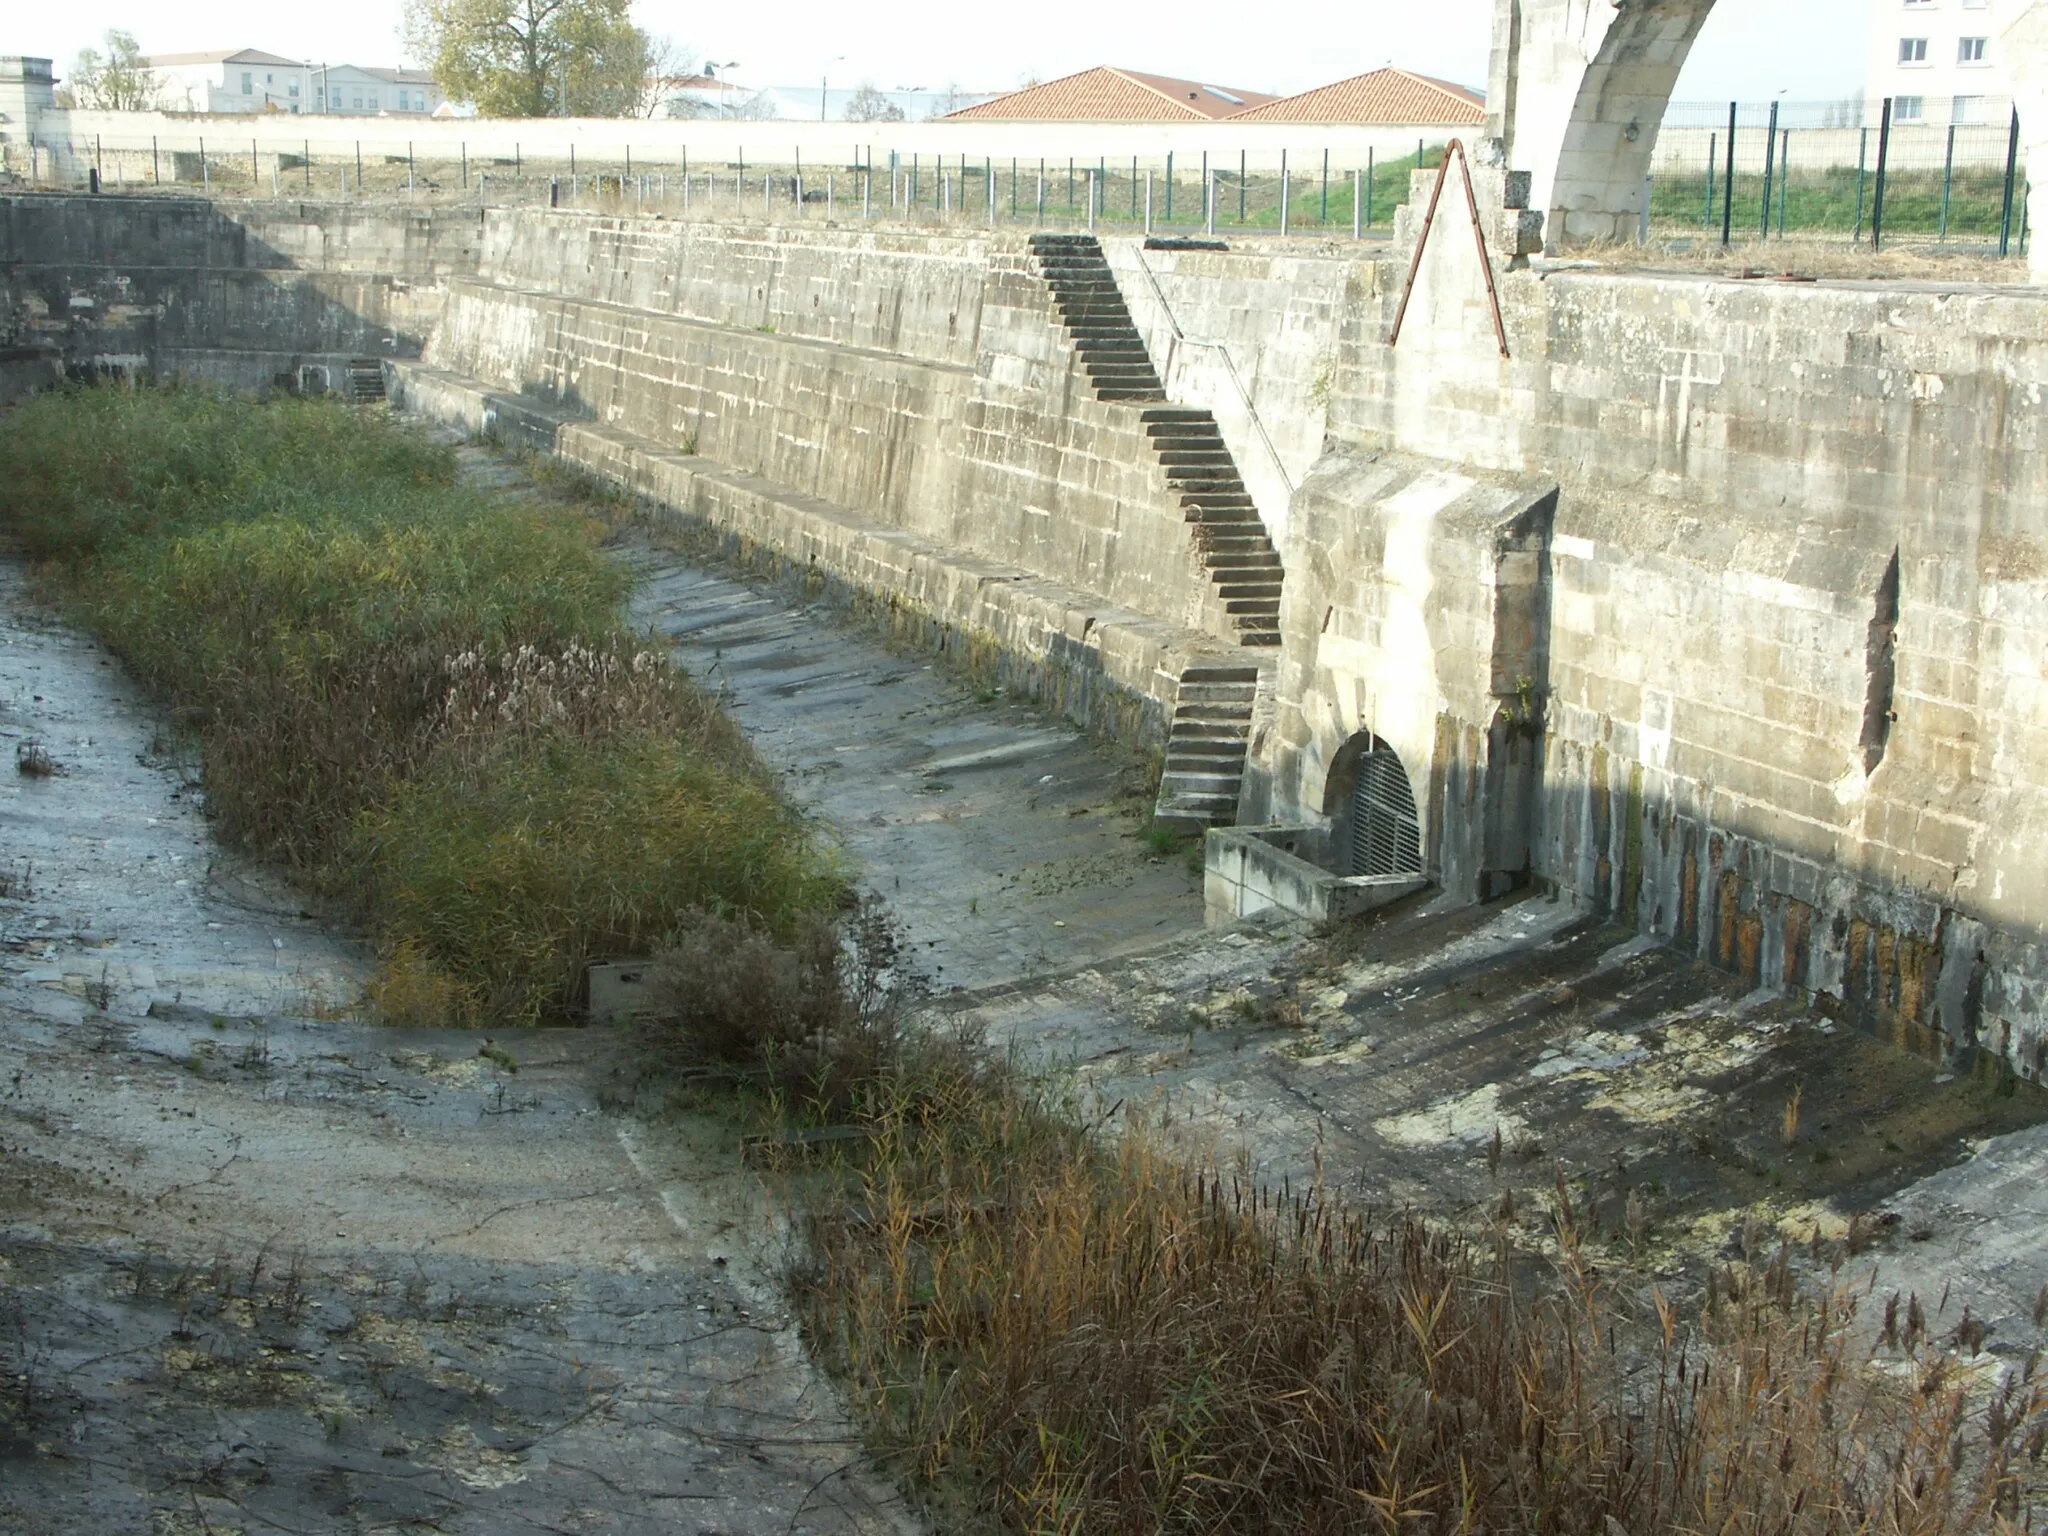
(235, 80)
(364, 90)
(1937, 60)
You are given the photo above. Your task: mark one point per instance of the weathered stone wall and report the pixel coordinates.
(924, 382)
(1737, 465)
(1619, 599)
(235, 294)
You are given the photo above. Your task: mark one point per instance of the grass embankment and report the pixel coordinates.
(419, 697)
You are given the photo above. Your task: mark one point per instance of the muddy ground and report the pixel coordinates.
(266, 1267)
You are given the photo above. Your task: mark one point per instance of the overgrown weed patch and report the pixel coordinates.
(420, 697)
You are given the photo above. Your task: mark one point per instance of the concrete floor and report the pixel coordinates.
(1005, 842)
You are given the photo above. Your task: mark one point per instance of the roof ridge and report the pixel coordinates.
(1143, 84)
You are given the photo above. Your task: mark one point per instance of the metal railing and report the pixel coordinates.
(1181, 339)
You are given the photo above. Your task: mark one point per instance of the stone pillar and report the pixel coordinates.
(28, 90)
(2023, 51)
(1577, 93)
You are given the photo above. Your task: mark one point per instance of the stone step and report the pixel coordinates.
(1179, 413)
(1245, 637)
(1177, 434)
(1177, 456)
(1235, 591)
(1224, 568)
(1213, 693)
(1117, 365)
(1220, 672)
(1205, 750)
(1205, 809)
(1219, 791)
(1248, 605)
(1204, 477)
(1210, 713)
(1221, 517)
(1129, 396)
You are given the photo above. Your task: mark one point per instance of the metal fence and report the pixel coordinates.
(1737, 172)
(1740, 172)
(1287, 192)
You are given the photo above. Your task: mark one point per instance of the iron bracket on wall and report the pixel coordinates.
(1455, 148)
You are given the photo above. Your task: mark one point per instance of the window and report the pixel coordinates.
(1909, 109)
(373, 101)
(248, 83)
(1966, 109)
(1912, 50)
(295, 90)
(405, 101)
(359, 100)
(1970, 50)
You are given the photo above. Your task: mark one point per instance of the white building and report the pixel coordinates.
(1938, 62)
(366, 91)
(238, 80)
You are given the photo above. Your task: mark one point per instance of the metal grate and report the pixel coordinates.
(365, 380)
(1386, 833)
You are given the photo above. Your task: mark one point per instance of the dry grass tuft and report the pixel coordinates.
(1052, 1336)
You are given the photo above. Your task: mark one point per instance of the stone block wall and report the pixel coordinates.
(1622, 600)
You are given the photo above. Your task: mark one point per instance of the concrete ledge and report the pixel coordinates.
(1103, 666)
(1249, 870)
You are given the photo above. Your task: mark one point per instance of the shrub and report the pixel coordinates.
(816, 1019)
(514, 868)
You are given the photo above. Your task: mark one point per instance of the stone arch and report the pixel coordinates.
(1578, 93)
(1375, 822)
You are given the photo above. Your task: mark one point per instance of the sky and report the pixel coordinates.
(1751, 49)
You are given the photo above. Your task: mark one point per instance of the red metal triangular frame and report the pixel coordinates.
(1455, 147)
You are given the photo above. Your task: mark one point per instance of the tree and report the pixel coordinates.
(534, 58)
(669, 63)
(952, 99)
(118, 80)
(869, 105)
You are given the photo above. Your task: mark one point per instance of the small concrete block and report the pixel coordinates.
(620, 989)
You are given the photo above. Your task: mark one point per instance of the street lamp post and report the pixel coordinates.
(837, 58)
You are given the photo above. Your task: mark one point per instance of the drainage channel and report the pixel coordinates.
(1006, 843)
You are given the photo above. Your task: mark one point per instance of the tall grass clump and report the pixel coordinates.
(420, 697)
(1053, 1335)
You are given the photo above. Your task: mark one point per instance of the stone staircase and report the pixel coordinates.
(1206, 744)
(1228, 531)
(1091, 304)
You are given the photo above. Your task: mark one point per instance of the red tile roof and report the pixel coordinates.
(1104, 94)
(1380, 96)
